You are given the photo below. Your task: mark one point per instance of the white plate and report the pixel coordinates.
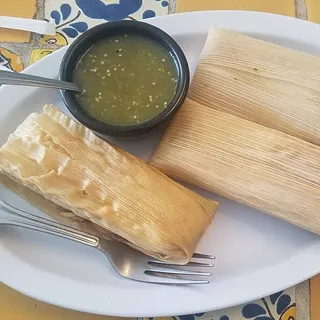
(257, 255)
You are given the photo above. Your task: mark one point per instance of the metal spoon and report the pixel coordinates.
(23, 79)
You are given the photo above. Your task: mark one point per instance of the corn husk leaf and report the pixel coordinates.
(69, 165)
(243, 161)
(54, 211)
(261, 82)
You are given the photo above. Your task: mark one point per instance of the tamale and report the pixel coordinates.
(243, 161)
(259, 81)
(53, 210)
(68, 164)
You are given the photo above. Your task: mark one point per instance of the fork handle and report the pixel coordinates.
(24, 79)
(91, 241)
(30, 221)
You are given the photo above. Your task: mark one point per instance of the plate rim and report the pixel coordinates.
(304, 273)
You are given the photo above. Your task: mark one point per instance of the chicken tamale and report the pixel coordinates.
(243, 161)
(69, 165)
(259, 81)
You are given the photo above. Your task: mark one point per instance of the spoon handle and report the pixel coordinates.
(32, 25)
(23, 79)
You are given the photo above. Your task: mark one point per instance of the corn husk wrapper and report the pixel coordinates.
(261, 82)
(243, 161)
(69, 165)
(54, 211)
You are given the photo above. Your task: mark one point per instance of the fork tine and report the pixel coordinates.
(163, 280)
(190, 264)
(176, 272)
(203, 256)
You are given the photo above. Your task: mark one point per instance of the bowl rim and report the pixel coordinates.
(150, 31)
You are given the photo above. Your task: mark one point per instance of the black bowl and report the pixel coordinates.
(79, 47)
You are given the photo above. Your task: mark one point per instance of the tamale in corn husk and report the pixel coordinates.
(54, 211)
(261, 82)
(69, 165)
(243, 161)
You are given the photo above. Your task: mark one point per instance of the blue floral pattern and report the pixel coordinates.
(281, 302)
(4, 61)
(69, 24)
(278, 306)
(98, 9)
(189, 317)
(72, 17)
(253, 310)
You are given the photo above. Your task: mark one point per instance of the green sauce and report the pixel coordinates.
(127, 79)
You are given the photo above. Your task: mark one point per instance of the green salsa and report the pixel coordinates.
(126, 79)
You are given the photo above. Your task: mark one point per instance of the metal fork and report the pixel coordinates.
(127, 261)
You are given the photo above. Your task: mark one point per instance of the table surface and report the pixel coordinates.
(19, 49)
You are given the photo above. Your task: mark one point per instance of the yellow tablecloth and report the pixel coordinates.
(284, 7)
